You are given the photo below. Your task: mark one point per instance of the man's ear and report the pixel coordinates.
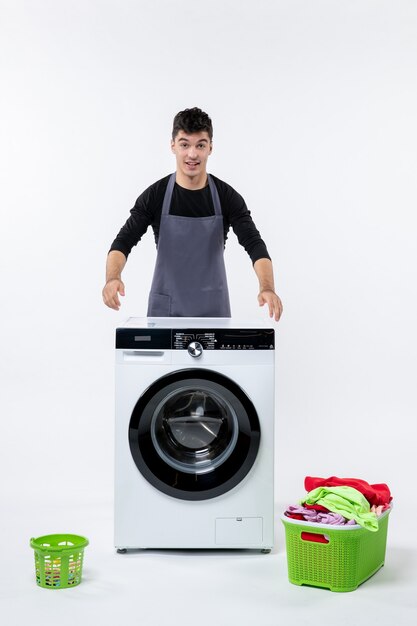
(172, 145)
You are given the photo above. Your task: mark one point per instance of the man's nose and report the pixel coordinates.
(192, 152)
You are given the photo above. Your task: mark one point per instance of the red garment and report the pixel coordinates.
(375, 494)
(314, 537)
(316, 507)
(295, 516)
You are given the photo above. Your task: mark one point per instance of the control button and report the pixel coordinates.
(195, 349)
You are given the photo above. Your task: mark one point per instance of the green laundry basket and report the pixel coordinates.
(58, 560)
(338, 558)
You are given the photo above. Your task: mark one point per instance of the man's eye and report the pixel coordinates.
(183, 145)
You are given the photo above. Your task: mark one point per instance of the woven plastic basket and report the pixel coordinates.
(58, 560)
(338, 558)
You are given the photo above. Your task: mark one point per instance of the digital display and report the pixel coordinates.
(142, 337)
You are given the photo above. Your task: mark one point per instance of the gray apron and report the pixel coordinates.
(190, 277)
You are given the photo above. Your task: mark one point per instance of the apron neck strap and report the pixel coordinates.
(215, 196)
(168, 195)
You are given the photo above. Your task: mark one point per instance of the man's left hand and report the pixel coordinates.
(269, 297)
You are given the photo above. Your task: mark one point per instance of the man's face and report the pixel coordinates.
(191, 152)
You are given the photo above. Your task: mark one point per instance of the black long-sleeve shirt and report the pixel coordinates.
(191, 203)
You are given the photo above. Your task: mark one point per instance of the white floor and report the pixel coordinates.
(187, 587)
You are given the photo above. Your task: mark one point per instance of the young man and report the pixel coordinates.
(190, 213)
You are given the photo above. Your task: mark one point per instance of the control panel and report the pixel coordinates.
(239, 339)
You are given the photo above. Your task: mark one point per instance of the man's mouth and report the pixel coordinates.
(192, 163)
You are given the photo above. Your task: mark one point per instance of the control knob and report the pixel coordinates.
(195, 349)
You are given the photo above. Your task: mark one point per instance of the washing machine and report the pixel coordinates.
(194, 456)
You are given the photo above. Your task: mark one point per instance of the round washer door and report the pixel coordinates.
(194, 434)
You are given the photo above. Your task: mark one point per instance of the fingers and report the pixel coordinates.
(111, 293)
(112, 301)
(274, 304)
(277, 311)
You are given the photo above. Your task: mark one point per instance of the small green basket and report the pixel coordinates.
(58, 560)
(338, 558)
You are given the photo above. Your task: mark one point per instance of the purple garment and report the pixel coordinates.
(332, 518)
(310, 515)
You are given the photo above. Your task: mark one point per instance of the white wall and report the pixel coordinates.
(313, 104)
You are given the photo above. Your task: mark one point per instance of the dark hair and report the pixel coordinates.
(192, 121)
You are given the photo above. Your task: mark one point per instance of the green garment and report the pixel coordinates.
(346, 501)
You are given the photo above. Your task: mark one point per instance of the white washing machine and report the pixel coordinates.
(194, 458)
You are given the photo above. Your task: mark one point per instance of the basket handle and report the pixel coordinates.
(315, 537)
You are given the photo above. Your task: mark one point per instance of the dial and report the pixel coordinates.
(195, 349)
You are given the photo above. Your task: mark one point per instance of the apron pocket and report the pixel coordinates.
(159, 305)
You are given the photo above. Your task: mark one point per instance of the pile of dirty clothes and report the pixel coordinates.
(339, 501)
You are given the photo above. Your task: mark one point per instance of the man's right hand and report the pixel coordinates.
(111, 292)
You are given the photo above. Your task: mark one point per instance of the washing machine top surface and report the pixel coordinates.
(194, 322)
